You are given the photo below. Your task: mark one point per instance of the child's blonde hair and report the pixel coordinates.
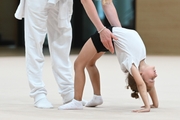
(105, 1)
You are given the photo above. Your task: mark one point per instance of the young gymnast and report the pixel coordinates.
(131, 54)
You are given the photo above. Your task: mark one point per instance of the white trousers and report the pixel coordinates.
(40, 21)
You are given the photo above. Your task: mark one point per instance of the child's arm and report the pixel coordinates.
(111, 13)
(92, 13)
(105, 34)
(154, 98)
(141, 88)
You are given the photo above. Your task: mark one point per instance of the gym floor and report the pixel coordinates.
(15, 103)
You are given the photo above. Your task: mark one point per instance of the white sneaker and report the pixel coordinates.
(73, 105)
(43, 104)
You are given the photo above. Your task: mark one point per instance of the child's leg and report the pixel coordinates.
(86, 54)
(94, 73)
(95, 80)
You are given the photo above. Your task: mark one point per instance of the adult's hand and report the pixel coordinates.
(106, 38)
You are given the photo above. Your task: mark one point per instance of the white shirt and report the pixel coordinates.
(129, 48)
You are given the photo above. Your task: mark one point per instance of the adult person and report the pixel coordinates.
(51, 17)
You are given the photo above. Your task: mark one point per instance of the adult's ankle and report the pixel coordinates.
(39, 97)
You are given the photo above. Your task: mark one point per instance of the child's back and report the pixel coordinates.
(129, 47)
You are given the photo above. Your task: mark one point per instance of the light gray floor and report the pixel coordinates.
(15, 103)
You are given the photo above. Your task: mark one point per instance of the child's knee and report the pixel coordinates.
(79, 65)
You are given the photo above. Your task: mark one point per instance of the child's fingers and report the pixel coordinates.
(141, 110)
(142, 106)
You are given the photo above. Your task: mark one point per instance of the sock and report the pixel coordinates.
(84, 102)
(43, 104)
(73, 105)
(95, 101)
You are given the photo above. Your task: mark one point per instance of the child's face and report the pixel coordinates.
(149, 76)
